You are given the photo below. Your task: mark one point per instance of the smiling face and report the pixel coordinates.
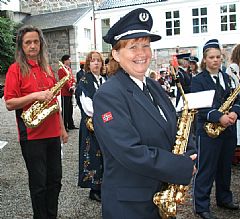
(31, 45)
(134, 57)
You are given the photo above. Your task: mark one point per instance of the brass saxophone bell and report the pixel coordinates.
(89, 124)
(165, 201)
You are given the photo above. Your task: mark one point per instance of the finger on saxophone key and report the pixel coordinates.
(224, 120)
(193, 156)
(232, 117)
(43, 95)
(194, 170)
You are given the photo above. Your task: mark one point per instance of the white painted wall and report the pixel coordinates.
(13, 5)
(84, 44)
(186, 38)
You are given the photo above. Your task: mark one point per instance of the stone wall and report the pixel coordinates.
(45, 6)
(58, 45)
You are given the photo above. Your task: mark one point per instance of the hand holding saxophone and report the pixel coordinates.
(228, 119)
(233, 117)
(46, 95)
(194, 157)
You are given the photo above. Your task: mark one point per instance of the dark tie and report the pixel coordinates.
(216, 80)
(147, 93)
(100, 79)
(219, 88)
(151, 98)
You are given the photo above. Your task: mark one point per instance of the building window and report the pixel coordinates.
(87, 33)
(172, 23)
(228, 17)
(105, 27)
(199, 20)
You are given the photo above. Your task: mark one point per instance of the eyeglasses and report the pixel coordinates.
(95, 60)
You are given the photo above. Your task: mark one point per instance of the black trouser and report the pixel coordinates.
(67, 111)
(43, 162)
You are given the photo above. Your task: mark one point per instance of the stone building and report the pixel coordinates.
(35, 7)
(66, 32)
(66, 24)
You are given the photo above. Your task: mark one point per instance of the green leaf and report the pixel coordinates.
(7, 43)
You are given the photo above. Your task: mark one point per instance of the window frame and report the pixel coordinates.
(173, 23)
(200, 21)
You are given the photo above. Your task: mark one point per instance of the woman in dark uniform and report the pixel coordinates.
(136, 131)
(214, 154)
(90, 157)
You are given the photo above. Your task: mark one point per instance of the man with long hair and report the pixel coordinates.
(30, 79)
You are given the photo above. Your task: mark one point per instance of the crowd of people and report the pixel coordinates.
(128, 123)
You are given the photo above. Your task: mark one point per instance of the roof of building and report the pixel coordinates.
(109, 4)
(56, 20)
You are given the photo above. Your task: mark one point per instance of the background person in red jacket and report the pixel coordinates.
(67, 93)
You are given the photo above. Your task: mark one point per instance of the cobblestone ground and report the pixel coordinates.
(74, 202)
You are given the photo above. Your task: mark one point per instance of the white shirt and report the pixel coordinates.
(87, 103)
(221, 81)
(140, 85)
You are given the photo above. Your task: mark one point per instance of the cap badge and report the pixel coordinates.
(143, 17)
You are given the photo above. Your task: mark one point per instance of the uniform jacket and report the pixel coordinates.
(66, 90)
(185, 80)
(136, 143)
(203, 82)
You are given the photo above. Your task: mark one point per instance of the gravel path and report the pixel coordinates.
(73, 202)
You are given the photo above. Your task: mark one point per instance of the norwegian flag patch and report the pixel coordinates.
(106, 117)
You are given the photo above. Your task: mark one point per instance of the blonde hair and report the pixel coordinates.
(153, 75)
(203, 64)
(235, 56)
(88, 60)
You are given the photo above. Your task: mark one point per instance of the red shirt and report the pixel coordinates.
(65, 91)
(17, 86)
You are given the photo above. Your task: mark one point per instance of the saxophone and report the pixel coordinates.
(215, 129)
(89, 124)
(168, 199)
(39, 111)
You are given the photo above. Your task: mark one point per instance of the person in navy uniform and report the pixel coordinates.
(193, 65)
(184, 76)
(136, 131)
(214, 154)
(81, 72)
(90, 157)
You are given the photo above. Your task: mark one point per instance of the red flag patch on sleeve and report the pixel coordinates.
(106, 117)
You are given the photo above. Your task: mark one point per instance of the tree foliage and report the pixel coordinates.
(7, 43)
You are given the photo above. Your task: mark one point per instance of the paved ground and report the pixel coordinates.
(74, 202)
